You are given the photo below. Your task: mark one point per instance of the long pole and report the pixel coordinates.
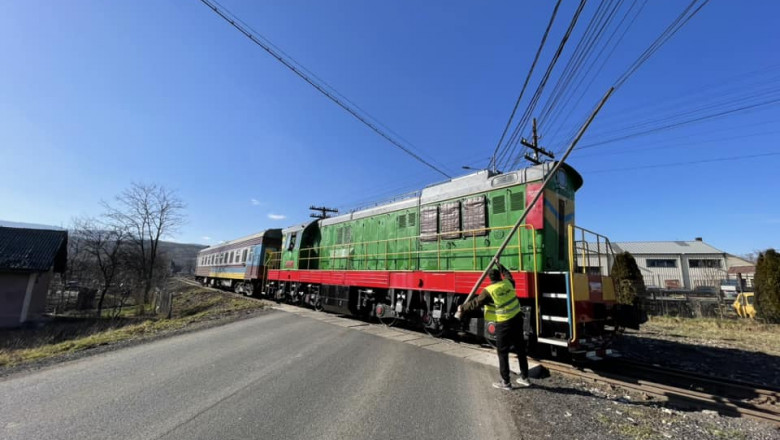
(546, 180)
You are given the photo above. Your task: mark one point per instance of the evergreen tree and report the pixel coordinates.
(628, 279)
(767, 285)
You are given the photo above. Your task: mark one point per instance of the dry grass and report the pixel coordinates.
(745, 334)
(191, 304)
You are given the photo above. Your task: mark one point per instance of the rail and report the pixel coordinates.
(412, 251)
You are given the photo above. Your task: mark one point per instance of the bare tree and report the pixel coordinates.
(148, 212)
(103, 242)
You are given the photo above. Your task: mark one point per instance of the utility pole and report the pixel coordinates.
(323, 211)
(537, 149)
(539, 193)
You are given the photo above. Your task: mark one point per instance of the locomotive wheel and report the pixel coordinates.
(436, 332)
(318, 304)
(386, 320)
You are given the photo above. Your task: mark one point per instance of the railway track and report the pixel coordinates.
(682, 389)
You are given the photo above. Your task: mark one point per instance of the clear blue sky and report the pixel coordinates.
(95, 95)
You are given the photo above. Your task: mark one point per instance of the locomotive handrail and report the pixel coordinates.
(414, 250)
(585, 247)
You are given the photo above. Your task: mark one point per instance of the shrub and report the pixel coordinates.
(628, 279)
(767, 285)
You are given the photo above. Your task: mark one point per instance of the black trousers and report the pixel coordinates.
(509, 334)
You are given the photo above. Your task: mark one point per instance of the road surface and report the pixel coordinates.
(277, 376)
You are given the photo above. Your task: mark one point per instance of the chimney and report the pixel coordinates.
(698, 239)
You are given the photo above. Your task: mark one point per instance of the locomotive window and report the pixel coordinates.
(499, 205)
(450, 220)
(402, 221)
(474, 216)
(347, 234)
(516, 201)
(429, 223)
(412, 219)
(291, 245)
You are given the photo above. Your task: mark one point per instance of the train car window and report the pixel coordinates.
(450, 220)
(429, 223)
(243, 255)
(232, 257)
(251, 255)
(474, 218)
(499, 205)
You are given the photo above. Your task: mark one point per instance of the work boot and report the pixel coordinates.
(507, 386)
(523, 381)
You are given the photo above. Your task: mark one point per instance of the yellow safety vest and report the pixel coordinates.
(505, 303)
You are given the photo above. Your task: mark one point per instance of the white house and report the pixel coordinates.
(666, 264)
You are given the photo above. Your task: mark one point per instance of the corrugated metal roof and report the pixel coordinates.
(33, 249)
(665, 247)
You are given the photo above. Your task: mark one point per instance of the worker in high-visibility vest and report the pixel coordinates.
(509, 323)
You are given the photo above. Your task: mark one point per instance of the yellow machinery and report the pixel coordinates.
(744, 305)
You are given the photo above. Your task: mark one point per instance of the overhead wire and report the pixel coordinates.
(491, 165)
(692, 162)
(668, 33)
(540, 87)
(556, 111)
(319, 85)
(589, 40)
(680, 21)
(691, 120)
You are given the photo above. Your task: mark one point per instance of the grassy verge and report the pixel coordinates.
(191, 305)
(746, 334)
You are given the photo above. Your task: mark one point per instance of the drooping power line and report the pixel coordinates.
(492, 164)
(320, 85)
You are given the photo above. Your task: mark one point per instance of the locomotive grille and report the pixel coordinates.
(499, 205)
(516, 201)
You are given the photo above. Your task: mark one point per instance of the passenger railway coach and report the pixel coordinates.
(238, 264)
(416, 259)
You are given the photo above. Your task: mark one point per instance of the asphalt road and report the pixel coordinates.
(278, 376)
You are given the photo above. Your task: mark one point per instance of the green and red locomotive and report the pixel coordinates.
(417, 258)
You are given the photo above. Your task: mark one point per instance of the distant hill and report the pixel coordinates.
(183, 255)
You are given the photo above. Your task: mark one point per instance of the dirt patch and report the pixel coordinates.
(737, 349)
(559, 407)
